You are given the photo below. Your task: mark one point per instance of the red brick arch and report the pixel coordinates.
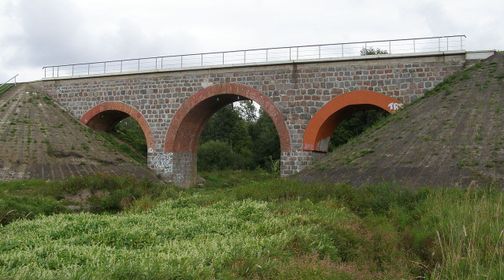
(188, 122)
(323, 123)
(106, 115)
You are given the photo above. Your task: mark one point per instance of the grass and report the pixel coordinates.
(5, 88)
(96, 194)
(128, 138)
(469, 233)
(251, 225)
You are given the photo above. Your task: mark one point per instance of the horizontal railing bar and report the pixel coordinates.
(251, 50)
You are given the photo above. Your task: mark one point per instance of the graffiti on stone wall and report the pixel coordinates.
(163, 162)
(395, 106)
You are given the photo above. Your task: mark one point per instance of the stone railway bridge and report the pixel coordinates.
(306, 101)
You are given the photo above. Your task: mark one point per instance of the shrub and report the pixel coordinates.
(217, 155)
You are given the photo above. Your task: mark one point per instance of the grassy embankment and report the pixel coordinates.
(248, 225)
(5, 88)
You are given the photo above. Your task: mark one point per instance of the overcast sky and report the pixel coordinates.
(34, 33)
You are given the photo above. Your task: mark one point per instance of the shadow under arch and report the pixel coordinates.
(188, 122)
(321, 126)
(105, 116)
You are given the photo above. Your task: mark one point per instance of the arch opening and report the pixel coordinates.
(320, 129)
(239, 136)
(184, 133)
(128, 126)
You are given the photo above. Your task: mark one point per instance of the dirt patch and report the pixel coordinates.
(452, 137)
(40, 140)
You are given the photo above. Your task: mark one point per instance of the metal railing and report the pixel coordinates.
(9, 80)
(257, 56)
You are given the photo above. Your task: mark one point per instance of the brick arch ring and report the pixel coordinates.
(322, 125)
(188, 123)
(115, 112)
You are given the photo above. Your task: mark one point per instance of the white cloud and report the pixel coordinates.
(34, 33)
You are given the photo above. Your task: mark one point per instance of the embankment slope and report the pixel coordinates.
(454, 136)
(40, 140)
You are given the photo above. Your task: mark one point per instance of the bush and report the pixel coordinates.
(372, 51)
(217, 155)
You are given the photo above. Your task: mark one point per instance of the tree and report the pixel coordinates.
(372, 51)
(355, 125)
(252, 139)
(266, 142)
(227, 126)
(217, 155)
(247, 110)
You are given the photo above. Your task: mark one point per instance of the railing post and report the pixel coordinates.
(223, 59)
(45, 73)
(318, 52)
(297, 53)
(104, 67)
(138, 65)
(88, 68)
(244, 57)
(342, 50)
(439, 44)
(201, 60)
(266, 55)
(72, 70)
(121, 67)
(57, 72)
(181, 61)
(461, 43)
(414, 46)
(390, 47)
(162, 58)
(447, 44)
(290, 54)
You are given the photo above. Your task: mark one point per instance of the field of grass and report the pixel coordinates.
(248, 225)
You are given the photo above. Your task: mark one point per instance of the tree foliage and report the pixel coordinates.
(372, 51)
(250, 141)
(355, 125)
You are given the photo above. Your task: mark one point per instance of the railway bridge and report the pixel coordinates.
(306, 90)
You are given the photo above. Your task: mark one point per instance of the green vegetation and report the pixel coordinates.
(251, 225)
(130, 132)
(234, 139)
(97, 194)
(372, 51)
(5, 88)
(354, 125)
(131, 143)
(249, 138)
